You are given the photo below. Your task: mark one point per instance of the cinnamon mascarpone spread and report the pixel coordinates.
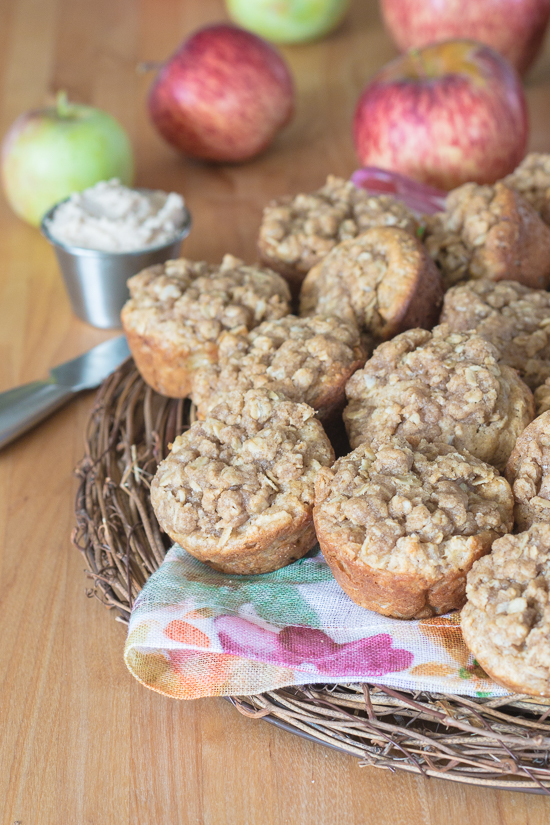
(110, 217)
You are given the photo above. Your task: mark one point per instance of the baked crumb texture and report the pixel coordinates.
(542, 397)
(528, 471)
(489, 232)
(298, 231)
(506, 621)
(401, 527)
(305, 359)
(237, 489)
(178, 310)
(441, 386)
(511, 316)
(532, 180)
(383, 280)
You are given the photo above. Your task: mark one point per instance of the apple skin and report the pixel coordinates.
(443, 115)
(514, 28)
(223, 95)
(49, 153)
(292, 21)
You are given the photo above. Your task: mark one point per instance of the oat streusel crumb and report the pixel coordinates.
(442, 386)
(306, 359)
(506, 622)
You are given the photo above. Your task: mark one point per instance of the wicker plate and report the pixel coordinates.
(498, 743)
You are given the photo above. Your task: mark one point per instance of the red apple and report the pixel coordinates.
(446, 114)
(515, 28)
(223, 95)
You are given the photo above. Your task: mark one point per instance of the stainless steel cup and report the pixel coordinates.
(96, 281)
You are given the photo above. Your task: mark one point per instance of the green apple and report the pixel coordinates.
(288, 21)
(49, 153)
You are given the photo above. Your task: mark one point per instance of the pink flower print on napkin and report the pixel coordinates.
(296, 647)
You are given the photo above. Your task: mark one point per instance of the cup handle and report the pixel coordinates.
(23, 407)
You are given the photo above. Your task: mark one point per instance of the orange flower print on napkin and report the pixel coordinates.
(445, 631)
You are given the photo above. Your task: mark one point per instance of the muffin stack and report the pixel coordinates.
(417, 518)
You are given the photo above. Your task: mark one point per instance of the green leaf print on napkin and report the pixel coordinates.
(275, 596)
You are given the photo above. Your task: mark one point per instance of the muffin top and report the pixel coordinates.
(489, 231)
(440, 386)
(511, 316)
(184, 302)
(305, 359)
(383, 281)
(413, 511)
(532, 180)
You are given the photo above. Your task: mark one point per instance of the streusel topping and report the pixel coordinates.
(441, 386)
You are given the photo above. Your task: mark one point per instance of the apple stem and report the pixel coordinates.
(148, 66)
(416, 58)
(62, 104)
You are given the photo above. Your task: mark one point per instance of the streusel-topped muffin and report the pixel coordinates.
(237, 489)
(305, 359)
(528, 471)
(489, 232)
(511, 316)
(442, 386)
(178, 310)
(383, 281)
(298, 231)
(506, 621)
(401, 527)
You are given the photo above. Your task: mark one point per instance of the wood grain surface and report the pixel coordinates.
(80, 740)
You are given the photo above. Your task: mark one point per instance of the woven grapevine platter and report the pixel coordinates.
(500, 743)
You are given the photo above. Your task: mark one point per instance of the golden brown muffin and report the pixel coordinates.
(307, 360)
(178, 310)
(511, 316)
(440, 386)
(506, 621)
(298, 231)
(237, 489)
(489, 232)
(383, 281)
(532, 180)
(400, 528)
(528, 471)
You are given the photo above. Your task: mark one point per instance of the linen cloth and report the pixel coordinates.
(195, 632)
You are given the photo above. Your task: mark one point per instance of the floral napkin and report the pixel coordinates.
(195, 632)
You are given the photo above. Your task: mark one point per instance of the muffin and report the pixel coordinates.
(237, 489)
(298, 231)
(307, 360)
(532, 180)
(506, 621)
(528, 471)
(440, 386)
(489, 232)
(511, 316)
(383, 281)
(178, 310)
(401, 527)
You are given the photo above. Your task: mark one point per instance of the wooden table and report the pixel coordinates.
(81, 740)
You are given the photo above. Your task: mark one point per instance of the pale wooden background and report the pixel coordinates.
(80, 740)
